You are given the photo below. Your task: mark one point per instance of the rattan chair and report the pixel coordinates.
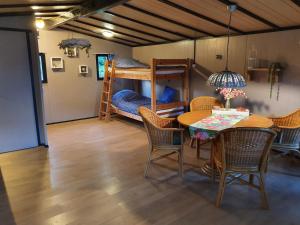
(163, 138)
(242, 151)
(288, 130)
(202, 103)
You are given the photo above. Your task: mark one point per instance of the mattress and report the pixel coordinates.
(130, 101)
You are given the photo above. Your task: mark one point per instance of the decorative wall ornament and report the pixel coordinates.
(73, 44)
(56, 63)
(83, 69)
(274, 72)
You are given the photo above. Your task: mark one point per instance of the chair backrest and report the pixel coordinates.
(204, 103)
(290, 120)
(244, 149)
(154, 124)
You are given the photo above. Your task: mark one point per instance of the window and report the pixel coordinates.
(100, 62)
(43, 70)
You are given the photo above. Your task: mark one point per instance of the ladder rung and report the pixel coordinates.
(104, 102)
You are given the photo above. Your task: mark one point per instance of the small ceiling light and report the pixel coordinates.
(39, 23)
(108, 26)
(34, 7)
(107, 33)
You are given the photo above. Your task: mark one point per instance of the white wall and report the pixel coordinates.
(69, 95)
(283, 47)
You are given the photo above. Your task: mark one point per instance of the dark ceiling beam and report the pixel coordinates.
(250, 14)
(297, 2)
(130, 28)
(149, 25)
(117, 32)
(117, 38)
(87, 8)
(41, 4)
(167, 19)
(32, 12)
(201, 16)
(92, 35)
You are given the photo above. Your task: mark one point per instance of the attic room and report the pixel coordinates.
(175, 112)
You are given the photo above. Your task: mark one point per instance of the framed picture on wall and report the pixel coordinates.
(56, 63)
(83, 69)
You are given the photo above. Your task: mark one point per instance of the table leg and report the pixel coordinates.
(209, 168)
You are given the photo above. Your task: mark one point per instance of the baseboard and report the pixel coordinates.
(65, 121)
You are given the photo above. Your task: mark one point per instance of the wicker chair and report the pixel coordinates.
(202, 103)
(162, 137)
(242, 151)
(288, 130)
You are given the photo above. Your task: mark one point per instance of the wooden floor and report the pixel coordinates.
(93, 174)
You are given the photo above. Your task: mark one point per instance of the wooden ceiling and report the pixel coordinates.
(148, 22)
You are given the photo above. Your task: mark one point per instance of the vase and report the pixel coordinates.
(227, 104)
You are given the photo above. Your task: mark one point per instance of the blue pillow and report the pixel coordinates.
(168, 95)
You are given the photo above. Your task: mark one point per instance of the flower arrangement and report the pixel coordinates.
(230, 93)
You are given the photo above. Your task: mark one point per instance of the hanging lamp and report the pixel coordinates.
(227, 78)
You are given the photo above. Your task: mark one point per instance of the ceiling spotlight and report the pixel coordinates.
(34, 7)
(39, 23)
(107, 33)
(108, 26)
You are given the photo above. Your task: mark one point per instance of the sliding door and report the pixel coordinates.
(18, 128)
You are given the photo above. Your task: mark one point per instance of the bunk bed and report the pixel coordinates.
(126, 102)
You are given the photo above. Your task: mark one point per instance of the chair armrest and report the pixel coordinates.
(166, 122)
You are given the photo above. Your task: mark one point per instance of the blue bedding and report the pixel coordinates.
(129, 101)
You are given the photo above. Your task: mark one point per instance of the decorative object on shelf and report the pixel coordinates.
(230, 93)
(56, 63)
(227, 78)
(83, 69)
(74, 44)
(274, 70)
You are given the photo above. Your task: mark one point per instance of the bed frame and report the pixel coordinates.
(112, 72)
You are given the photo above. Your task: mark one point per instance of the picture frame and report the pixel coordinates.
(83, 69)
(56, 63)
(71, 52)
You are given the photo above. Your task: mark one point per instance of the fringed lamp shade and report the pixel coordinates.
(226, 79)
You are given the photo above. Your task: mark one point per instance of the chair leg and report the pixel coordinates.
(192, 142)
(180, 156)
(221, 189)
(263, 193)
(148, 161)
(251, 178)
(198, 148)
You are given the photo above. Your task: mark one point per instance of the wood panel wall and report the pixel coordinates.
(283, 47)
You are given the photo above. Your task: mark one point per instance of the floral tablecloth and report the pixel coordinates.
(208, 128)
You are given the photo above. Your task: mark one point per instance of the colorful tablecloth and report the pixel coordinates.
(210, 126)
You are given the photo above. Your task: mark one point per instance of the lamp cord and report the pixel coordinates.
(228, 37)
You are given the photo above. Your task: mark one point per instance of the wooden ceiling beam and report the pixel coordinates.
(91, 31)
(117, 32)
(201, 16)
(91, 35)
(168, 20)
(130, 28)
(87, 8)
(149, 25)
(250, 14)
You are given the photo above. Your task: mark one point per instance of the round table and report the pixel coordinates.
(254, 120)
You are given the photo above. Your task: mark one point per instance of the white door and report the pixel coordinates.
(17, 116)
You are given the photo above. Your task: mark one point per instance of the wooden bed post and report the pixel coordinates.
(153, 86)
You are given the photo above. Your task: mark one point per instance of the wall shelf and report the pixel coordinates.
(250, 71)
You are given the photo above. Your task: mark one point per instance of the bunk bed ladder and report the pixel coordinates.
(105, 103)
